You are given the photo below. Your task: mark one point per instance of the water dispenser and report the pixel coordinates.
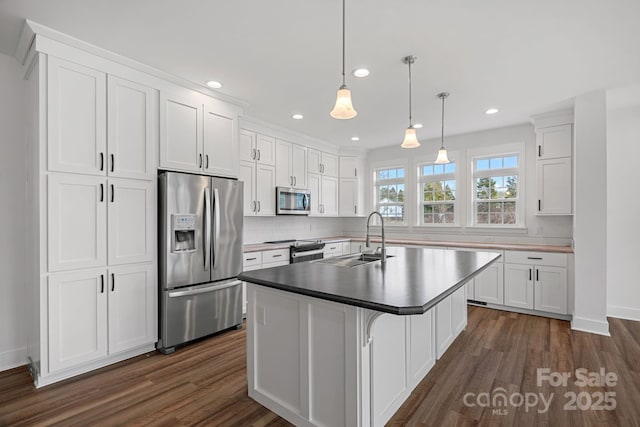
(184, 233)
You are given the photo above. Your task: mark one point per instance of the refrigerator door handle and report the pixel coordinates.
(216, 219)
(197, 291)
(207, 229)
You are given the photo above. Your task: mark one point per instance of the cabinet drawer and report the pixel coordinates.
(275, 255)
(251, 259)
(333, 249)
(275, 264)
(537, 258)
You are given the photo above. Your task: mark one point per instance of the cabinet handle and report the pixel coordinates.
(206, 164)
(102, 192)
(534, 257)
(251, 259)
(101, 161)
(200, 155)
(295, 181)
(254, 205)
(113, 193)
(258, 202)
(539, 205)
(113, 282)
(539, 150)
(277, 256)
(529, 274)
(258, 154)
(291, 180)
(113, 162)
(537, 271)
(355, 171)
(321, 168)
(102, 283)
(253, 153)
(355, 209)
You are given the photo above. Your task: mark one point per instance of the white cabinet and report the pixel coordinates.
(320, 162)
(554, 139)
(77, 222)
(488, 286)
(324, 195)
(258, 260)
(197, 134)
(351, 198)
(536, 280)
(132, 129)
(291, 165)
(258, 173)
(96, 313)
(131, 224)
(333, 249)
(77, 118)
(77, 307)
(450, 319)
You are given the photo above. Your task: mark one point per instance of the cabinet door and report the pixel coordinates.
(554, 142)
(248, 176)
(314, 189)
(77, 304)
(518, 285)
(247, 145)
(220, 143)
(444, 326)
(77, 222)
(132, 129)
(329, 199)
(284, 177)
(470, 289)
(299, 165)
(76, 118)
(132, 307)
(459, 311)
(554, 186)
(348, 167)
(551, 289)
(348, 195)
(266, 150)
(488, 285)
(330, 164)
(314, 158)
(266, 189)
(132, 216)
(181, 131)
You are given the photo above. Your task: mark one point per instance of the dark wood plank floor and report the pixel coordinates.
(205, 383)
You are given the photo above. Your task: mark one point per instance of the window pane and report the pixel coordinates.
(427, 170)
(495, 218)
(392, 173)
(438, 169)
(482, 165)
(400, 188)
(383, 195)
(511, 162)
(495, 207)
(383, 174)
(448, 218)
(428, 192)
(498, 181)
(511, 182)
(450, 168)
(482, 219)
(428, 209)
(510, 212)
(428, 218)
(400, 173)
(483, 207)
(496, 163)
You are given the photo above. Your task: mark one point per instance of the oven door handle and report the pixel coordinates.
(306, 253)
(206, 289)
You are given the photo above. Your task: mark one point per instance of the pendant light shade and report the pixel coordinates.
(410, 138)
(344, 107)
(442, 152)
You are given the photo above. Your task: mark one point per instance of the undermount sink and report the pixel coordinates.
(352, 260)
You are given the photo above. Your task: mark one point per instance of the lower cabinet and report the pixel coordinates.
(258, 260)
(451, 319)
(487, 286)
(96, 313)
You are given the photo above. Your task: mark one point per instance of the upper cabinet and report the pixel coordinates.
(258, 172)
(197, 134)
(84, 107)
(77, 118)
(255, 147)
(554, 141)
(291, 165)
(351, 201)
(322, 163)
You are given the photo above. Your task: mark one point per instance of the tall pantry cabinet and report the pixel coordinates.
(91, 183)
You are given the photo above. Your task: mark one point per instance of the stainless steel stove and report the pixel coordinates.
(303, 250)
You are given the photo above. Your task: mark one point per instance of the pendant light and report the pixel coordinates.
(442, 152)
(410, 139)
(343, 108)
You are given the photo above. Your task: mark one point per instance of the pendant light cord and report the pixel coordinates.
(343, 41)
(442, 135)
(409, 62)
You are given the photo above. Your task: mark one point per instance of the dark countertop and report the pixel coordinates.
(411, 282)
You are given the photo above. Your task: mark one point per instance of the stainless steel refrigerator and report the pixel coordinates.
(200, 256)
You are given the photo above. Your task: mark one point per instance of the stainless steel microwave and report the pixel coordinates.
(292, 201)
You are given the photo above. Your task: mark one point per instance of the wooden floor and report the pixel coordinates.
(205, 383)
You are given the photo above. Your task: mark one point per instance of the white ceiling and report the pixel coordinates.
(283, 56)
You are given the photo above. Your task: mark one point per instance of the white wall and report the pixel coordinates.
(13, 316)
(542, 230)
(590, 203)
(284, 227)
(623, 208)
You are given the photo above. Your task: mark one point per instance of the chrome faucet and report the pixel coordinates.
(383, 258)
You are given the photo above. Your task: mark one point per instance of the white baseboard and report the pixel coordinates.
(592, 326)
(13, 358)
(628, 313)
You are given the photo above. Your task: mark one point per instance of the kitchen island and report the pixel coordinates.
(333, 345)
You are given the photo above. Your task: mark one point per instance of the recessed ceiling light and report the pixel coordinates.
(355, 138)
(297, 116)
(417, 125)
(491, 111)
(214, 84)
(360, 72)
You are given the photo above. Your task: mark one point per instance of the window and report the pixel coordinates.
(496, 195)
(389, 194)
(437, 193)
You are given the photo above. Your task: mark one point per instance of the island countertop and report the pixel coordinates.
(411, 282)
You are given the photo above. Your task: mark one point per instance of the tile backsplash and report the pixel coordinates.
(263, 229)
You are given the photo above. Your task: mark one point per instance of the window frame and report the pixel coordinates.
(391, 164)
(421, 179)
(507, 150)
